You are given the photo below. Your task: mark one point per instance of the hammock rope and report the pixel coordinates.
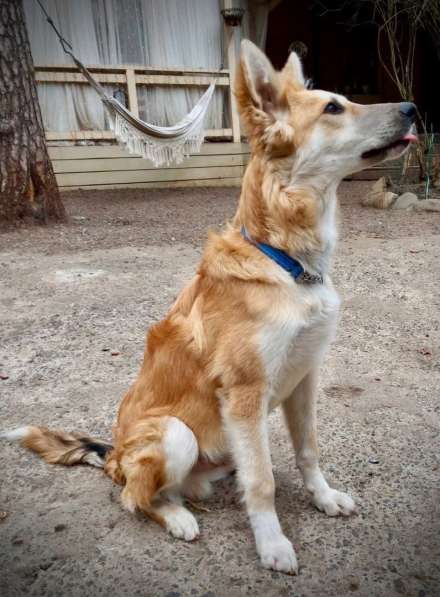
(161, 145)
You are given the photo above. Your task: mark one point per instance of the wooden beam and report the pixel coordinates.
(91, 152)
(68, 77)
(101, 68)
(79, 135)
(184, 80)
(90, 135)
(176, 184)
(132, 92)
(229, 36)
(131, 162)
(181, 80)
(160, 174)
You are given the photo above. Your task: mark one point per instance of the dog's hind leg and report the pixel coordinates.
(155, 471)
(198, 485)
(300, 413)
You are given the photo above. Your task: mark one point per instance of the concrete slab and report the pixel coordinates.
(64, 532)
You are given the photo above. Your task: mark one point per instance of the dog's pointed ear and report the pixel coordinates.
(257, 81)
(262, 103)
(293, 72)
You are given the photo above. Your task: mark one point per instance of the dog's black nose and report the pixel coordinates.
(408, 109)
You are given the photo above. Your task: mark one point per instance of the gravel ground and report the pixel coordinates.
(76, 300)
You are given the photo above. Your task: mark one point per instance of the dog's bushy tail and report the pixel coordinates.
(59, 447)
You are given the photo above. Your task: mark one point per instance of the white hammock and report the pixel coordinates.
(160, 144)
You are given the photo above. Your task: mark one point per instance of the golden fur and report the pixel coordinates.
(216, 364)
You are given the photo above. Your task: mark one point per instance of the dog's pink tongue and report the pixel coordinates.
(410, 137)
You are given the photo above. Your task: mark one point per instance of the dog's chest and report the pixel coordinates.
(296, 339)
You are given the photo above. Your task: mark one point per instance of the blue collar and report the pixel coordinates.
(291, 265)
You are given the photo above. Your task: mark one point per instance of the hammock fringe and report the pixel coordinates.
(153, 149)
(161, 145)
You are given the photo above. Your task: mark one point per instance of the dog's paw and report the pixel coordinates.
(182, 524)
(277, 553)
(334, 502)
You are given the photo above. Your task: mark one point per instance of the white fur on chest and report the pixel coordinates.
(296, 336)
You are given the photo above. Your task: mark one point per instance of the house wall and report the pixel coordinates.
(112, 166)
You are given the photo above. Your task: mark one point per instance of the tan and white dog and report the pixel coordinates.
(246, 335)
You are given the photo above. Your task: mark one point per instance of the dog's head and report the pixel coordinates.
(321, 132)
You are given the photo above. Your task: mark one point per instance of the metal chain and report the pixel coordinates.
(67, 47)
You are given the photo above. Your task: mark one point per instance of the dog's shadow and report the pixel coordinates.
(290, 495)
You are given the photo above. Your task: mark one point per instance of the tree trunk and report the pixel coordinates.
(28, 189)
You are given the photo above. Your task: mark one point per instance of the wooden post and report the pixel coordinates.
(132, 93)
(231, 60)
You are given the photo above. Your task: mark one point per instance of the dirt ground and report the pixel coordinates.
(76, 300)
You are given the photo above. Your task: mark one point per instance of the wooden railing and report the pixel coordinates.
(131, 76)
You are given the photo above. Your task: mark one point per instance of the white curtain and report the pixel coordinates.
(187, 33)
(256, 14)
(65, 107)
(173, 33)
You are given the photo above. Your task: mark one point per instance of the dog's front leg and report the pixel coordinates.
(300, 413)
(245, 416)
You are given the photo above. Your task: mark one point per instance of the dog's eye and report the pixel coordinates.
(333, 108)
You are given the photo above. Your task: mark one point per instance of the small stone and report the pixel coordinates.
(45, 565)
(379, 196)
(60, 527)
(115, 353)
(354, 584)
(3, 376)
(406, 201)
(373, 460)
(3, 515)
(427, 205)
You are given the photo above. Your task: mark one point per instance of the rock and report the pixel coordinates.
(427, 205)
(379, 197)
(406, 201)
(379, 200)
(60, 527)
(380, 185)
(385, 200)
